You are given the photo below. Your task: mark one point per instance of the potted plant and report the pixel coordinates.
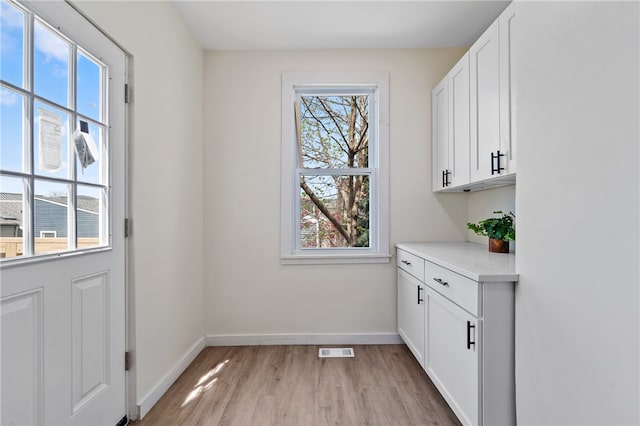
(499, 230)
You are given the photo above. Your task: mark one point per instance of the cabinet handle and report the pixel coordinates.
(419, 299)
(439, 281)
(406, 262)
(495, 158)
(469, 342)
(445, 178)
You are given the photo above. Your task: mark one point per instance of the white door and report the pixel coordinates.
(63, 267)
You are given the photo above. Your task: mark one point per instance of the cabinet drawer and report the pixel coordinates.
(460, 290)
(411, 263)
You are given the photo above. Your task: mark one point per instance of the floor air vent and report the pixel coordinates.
(336, 353)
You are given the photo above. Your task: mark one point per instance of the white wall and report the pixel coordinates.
(247, 290)
(577, 302)
(482, 204)
(165, 181)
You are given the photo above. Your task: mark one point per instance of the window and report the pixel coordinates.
(53, 141)
(335, 168)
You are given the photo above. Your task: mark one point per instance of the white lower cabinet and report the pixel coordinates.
(457, 318)
(411, 294)
(452, 359)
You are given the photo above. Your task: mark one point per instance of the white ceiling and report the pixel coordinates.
(304, 24)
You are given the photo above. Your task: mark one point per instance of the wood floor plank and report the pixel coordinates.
(291, 385)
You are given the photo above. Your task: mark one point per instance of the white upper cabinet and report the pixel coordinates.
(440, 134)
(475, 100)
(450, 105)
(507, 21)
(490, 98)
(458, 80)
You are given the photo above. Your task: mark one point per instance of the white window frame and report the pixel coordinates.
(295, 83)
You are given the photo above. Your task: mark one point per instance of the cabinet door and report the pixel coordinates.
(458, 82)
(453, 345)
(440, 134)
(484, 57)
(411, 295)
(508, 22)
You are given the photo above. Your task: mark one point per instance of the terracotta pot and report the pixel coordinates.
(498, 246)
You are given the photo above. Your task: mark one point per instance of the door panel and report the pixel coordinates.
(22, 357)
(90, 342)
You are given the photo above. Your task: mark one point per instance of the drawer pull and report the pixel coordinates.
(406, 262)
(469, 327)
(439, 281)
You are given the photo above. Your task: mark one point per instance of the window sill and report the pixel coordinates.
(334, 259)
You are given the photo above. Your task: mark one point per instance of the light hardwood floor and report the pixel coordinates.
(290, 385)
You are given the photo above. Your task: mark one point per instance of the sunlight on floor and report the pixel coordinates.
(199, 388)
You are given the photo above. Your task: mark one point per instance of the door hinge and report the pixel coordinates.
(127, 94)
(126, 361)
(127, 227)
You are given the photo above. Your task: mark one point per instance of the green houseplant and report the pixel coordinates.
(499, 230)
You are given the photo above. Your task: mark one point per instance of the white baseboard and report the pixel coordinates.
(303, 339)
(148, 401)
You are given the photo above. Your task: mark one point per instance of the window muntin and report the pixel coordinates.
(335, 168)
(48, 85)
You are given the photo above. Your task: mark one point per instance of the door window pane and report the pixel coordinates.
(50, 213)
(89, 216)
(12, 44)
(89, 87)
(12, 131)
(11, 217)
(92, 173)
(50, 65)
(50, 141)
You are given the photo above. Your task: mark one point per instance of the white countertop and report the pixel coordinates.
(471, 260)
